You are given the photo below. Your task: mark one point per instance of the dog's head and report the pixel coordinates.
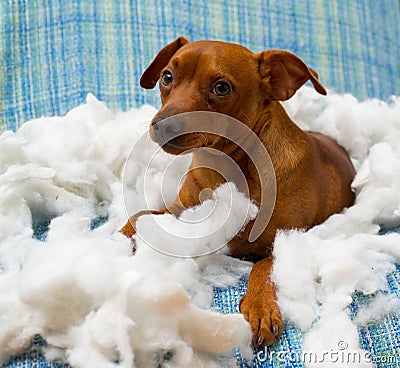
(218, 77)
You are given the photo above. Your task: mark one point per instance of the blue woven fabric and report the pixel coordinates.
(53, 52)
(34, 357)
(380, 338)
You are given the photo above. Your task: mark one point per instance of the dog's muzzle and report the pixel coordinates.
(166, 129)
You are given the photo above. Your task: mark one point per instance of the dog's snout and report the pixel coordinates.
(174, 127)
(166, 129)
(157, 119)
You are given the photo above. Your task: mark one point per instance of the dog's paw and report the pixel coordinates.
(129, 231)
(264, 318)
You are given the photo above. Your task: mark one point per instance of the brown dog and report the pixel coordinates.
(313, 173)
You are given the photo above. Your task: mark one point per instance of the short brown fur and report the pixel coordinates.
(313, 173)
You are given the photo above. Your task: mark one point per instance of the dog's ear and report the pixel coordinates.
(151, 75)
(284, 73)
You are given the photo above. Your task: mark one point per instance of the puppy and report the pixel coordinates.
(313, 173)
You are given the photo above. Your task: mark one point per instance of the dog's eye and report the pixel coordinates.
(222, 89)
(166, 78)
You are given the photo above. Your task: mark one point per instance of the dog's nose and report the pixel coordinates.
(166, 129)
(156, 120)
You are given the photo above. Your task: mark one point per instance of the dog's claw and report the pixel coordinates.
(258, 341)
(275, 329)
(266, 326)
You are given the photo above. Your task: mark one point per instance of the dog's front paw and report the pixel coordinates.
(128, 230)
(264, 318)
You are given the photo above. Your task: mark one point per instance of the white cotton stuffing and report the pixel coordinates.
(96, 304)
(82, 290)
(381, 306)
(196, 232)
(317, 271)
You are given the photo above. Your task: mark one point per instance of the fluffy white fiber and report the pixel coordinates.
(82, 290)
(85, 293)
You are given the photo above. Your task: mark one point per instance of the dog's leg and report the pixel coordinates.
(189, 196)
(259, 305)
(129, 229)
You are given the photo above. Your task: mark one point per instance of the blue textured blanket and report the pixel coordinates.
(380, 338)
(53, 53)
